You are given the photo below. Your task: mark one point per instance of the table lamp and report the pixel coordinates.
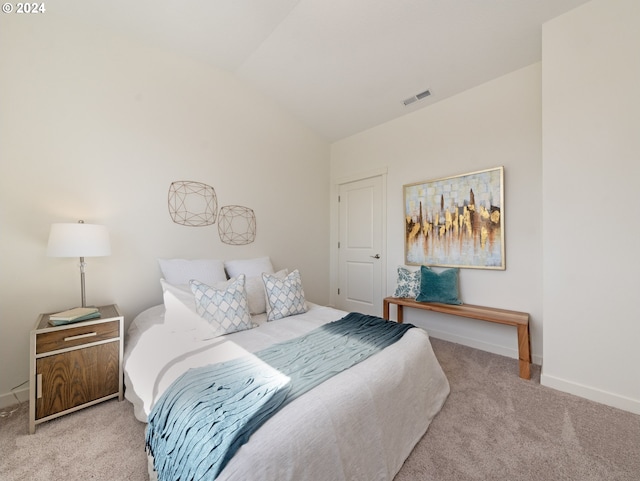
(79, 240)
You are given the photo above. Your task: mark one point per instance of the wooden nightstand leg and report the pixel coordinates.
(400, 314)
(385, 309)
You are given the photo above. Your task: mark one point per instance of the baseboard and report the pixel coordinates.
(9, 399)
(591, 393)
(483, 346)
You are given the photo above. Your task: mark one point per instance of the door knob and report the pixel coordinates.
(377, 256)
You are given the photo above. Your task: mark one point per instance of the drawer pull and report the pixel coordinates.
(80, 336)
(38, 386)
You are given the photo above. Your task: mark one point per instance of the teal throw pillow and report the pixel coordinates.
(439, 286)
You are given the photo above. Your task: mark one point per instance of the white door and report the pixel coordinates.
(360, 254)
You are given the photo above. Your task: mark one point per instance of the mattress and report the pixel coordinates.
(360, 424)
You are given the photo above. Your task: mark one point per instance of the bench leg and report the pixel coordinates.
(524, 351)
(385, 311)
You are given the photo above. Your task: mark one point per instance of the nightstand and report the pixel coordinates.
(74, 366)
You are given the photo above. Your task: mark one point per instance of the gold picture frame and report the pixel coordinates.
(456, 221)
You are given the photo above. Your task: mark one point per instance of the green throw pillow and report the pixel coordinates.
(439, 287)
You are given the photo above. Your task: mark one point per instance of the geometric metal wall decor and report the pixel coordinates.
(236, 225)
(192, 203)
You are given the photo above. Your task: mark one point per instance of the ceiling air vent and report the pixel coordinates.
(416, 97)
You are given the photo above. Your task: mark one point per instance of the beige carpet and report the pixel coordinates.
(494, 426)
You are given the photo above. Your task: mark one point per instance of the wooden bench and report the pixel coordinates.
(490, 314)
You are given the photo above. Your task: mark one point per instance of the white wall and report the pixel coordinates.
(498, 123)
(97, 126)
(591, 164)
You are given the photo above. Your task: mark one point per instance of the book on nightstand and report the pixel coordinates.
(76, 314)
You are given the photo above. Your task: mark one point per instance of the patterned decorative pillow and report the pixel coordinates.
(285, 297)
(408, 283)
(226, 310)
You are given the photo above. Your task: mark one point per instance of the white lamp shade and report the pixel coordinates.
(78, 240)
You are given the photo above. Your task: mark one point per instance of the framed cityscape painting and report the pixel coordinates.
(456, 221)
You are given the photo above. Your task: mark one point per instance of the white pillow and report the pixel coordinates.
(249, 267)
(226, 310)
(180, 312)
(285, 297)
(181, 271)
(256, 294)
(253, 269)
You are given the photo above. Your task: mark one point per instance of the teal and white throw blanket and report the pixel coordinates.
(204, 417)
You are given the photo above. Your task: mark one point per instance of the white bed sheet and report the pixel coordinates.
(359, 425)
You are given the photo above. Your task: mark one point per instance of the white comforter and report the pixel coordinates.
(359, 425)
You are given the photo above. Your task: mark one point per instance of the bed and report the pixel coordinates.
(360, 424)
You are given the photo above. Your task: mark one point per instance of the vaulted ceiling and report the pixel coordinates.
(340, 66)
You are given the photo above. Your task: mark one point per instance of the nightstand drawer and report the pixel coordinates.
(76, 336)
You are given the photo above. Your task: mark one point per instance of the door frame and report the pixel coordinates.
(334, 237)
